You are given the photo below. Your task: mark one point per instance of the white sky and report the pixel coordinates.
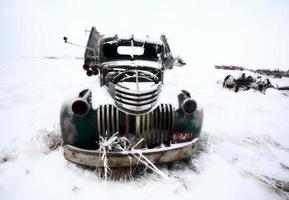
(249, 33)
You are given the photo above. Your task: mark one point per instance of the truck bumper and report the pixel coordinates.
(93, 158)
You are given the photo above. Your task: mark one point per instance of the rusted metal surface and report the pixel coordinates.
(107, 120)
(155, 127)
(92, 158)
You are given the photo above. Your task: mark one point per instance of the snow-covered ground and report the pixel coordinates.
(247, 133)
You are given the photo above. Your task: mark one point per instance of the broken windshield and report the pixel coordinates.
(124, 50)
(128, 50)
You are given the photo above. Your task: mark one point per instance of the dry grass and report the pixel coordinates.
(122, 145)
(47, 141)
(279, 186)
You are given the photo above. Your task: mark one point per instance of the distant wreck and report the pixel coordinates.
(244, 82)
(256, 83)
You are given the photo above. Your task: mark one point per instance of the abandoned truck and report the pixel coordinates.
(129, 113)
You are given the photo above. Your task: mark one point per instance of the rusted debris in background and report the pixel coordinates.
(276, 73)
(244, 82)
(229, 67)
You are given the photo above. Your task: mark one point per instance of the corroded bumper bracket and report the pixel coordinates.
(92, 158)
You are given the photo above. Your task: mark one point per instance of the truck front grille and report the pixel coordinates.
(135, 101)
(107, 120)
(154, 127)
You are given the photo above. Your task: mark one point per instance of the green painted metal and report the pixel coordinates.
(189, 123)
(80, 131)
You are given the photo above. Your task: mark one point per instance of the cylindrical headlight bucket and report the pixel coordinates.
(80, 107)
(189, 106)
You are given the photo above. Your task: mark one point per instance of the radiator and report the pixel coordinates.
(154, 127)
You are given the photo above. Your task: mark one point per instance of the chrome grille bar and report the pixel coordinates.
(108, 118)
(148, 128)
(116, 119)
(103, 122)
(112, 119)
(136, 100)
(164, 123)
(154, 127)
(139, 102)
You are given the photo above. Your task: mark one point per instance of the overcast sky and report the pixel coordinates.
(248, 32)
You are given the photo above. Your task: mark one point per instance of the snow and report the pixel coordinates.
(247, 132)
(241, 129)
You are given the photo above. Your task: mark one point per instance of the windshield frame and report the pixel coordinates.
(108, 50)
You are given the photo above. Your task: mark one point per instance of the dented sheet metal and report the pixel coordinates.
(92, 158)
